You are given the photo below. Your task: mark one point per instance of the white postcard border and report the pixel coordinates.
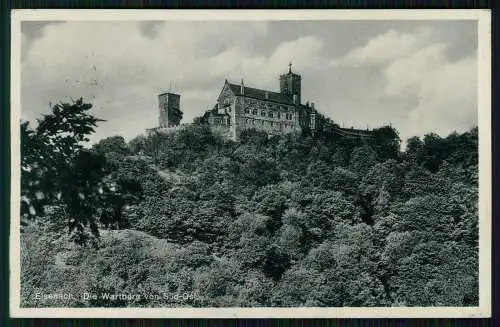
(485, 174)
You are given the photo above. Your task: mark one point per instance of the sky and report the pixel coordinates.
(418, 76)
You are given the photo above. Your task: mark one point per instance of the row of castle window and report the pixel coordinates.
(269, 123)
(227, 105)
(262, 104)
(269, 114)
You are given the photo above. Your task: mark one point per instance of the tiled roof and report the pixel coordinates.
(259, 94)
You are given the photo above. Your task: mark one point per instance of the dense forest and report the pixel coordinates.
(192, 219)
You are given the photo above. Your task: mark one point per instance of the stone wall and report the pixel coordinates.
(170, 113)
(273, 118)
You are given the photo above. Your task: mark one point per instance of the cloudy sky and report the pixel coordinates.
(420, 76)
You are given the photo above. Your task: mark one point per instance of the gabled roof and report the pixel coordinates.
(259, 94)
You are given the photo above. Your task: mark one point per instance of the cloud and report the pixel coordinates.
(447, 98)
(403, 76)
(406, 72)
(418, 66)
(446, 90)
(122, 66)
(386, 47)
(303, 52)
(32, 31)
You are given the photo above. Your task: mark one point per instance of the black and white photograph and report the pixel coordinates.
(251, 163)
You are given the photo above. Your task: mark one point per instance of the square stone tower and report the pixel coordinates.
(290, 85)
(170, 112)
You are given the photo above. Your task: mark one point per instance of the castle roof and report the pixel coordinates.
(260, 94)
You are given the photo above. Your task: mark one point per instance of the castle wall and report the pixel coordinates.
(304, 117)
(226, 106)
(225, 100)
(273, 118)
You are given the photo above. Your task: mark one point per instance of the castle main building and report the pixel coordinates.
(241, 107)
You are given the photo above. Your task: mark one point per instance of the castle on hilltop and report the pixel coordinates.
(240, 107)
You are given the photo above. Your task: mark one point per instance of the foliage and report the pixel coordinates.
(286, 221)
(57, 170)
(386, 143)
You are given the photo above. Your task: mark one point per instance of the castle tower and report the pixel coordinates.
(290, 85)
(170, 112)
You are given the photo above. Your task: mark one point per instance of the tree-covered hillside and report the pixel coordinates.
(285, 221)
